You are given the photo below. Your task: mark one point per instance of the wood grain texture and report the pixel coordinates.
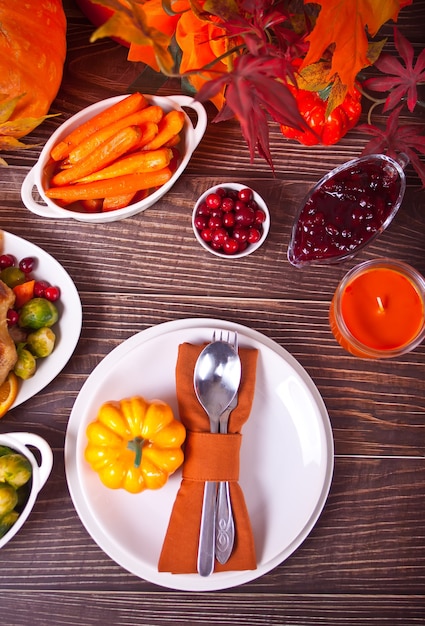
(364, 562)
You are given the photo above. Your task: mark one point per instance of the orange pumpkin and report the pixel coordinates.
(32, 56)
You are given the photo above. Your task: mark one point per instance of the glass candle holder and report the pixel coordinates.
(378, 309)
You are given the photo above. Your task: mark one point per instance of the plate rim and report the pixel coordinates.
(218, 580)
(69, 298)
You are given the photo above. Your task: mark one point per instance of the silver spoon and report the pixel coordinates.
(216, 380)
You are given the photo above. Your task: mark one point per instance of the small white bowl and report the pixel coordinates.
(252, 247)
(19, 442)
(39, 175)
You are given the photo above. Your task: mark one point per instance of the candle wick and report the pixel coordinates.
(380, 304)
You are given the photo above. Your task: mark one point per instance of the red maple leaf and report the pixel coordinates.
(397, 139)
(252, 93)
(403, 79)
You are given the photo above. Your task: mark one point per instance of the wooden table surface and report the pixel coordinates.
(364, 561)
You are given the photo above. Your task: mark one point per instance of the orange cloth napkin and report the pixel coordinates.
(212, 457)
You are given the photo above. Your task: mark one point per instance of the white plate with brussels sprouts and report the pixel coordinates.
(68, 327)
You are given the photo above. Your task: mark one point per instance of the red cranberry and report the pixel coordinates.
(213, 200)
(52, 293)
(12, 317)
(245, 194)
(27, 264)
(7, 260)
(40, 287)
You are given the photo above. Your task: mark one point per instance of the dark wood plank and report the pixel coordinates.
(364, 561)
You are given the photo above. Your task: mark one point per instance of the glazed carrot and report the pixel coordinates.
(172, 142)
(170, 125)
(142, 161)
(110, 186)
(124, 140)
(117, 202)
(149, 130)
(93, 205)
(84, 148)
(124, 107)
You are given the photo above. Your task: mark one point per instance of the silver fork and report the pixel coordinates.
(224, 524)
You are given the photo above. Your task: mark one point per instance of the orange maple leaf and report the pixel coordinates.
(343, 23)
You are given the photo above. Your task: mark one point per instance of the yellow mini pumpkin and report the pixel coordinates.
(134, 444)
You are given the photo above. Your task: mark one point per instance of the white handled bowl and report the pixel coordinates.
(38, 176)
(19, 442)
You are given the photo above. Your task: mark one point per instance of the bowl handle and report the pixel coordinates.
(201, 123)
(46, 463)
(27, 198)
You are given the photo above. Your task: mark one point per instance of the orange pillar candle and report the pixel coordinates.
(378, 310)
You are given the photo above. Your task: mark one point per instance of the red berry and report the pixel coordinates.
(52, 293)
(27, 264)
(200, 222)
(254, 235)
(228, 220)
(7, 260)
(245, 194)
(213, 200)
(228, 204)
(259, 217)
(40, 287)
(245, 216)
(240, 233)
(230, 246)
(206, 234)
(214, 222)
(12, 317)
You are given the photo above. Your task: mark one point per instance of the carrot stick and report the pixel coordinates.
(124, 107)
(110, 186)
(170, 125)
(149, 130)
(172, 142)
(106, 153)
(93, 141)
(143, 161)
(118, 202)
(94, 205)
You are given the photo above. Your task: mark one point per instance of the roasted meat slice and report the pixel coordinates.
(8, 355)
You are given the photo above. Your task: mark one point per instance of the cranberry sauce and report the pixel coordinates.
(345, 212)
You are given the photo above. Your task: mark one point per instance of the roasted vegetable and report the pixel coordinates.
(8, 498)
(15, 470)
(41, 342)
(134, 444)
(7, 521)
(26, 365)
(37, 313)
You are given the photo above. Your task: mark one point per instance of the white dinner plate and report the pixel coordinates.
(67, 329)
(286, 461)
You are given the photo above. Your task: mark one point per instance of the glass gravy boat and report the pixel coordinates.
(347, 209)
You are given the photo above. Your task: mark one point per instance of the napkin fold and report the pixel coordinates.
(212, 457)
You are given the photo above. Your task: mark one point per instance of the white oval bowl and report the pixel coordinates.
(252, 247)
(19, 442)
(39, 175)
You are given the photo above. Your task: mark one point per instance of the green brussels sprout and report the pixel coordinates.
(41, 342)
(37, 313)
(15, 470)
(7, 521)
(12, 276)
(25, 365)
(8, 498)
(5, 450)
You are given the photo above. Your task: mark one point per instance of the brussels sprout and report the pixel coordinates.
(8, 498)
(37, 313)
(41, 342)
(26, 365)
(15, 469)
(5, 450)
(7, 521)
(12, 276)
